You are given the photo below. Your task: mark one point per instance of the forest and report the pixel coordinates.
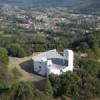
(81, 84)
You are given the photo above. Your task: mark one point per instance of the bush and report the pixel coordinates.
(3, 75)
(3, 56)
(16, 73)
(3, 67)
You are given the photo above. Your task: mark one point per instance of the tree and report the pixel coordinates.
(3, 67)
(84, 47)
(22, 91)
(48, 88)
(39, 95)
(3, 75)
(16, 50)
(55, 82)
(3, 56)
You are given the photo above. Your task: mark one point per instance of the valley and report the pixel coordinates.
(26, 31)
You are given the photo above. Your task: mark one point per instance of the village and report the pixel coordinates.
(45, 19)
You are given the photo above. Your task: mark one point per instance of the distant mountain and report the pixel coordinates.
(45, 2)
(92, 8)
(94, 4)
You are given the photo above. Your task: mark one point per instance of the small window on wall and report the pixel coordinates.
(40, 67)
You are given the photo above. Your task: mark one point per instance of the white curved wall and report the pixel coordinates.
(69, 55)
(48, 68)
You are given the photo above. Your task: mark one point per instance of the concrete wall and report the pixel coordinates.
(69, 55)
(45, 67)
(40, 67)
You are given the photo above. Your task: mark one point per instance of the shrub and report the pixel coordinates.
(16, 73)
(3, 56)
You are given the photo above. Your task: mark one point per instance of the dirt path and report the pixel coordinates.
(23, 64)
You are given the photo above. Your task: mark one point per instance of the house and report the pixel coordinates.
(51, 62)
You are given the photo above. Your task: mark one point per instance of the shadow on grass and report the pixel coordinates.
(40, 84)
(27, 66)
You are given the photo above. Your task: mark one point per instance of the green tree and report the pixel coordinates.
(3, 67)
(48, 88)
(3, 75)
(22, 91)
(3, 56)
(55, 82)
(16, 50)
(84, 47)
(39, 95)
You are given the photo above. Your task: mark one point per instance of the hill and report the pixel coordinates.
(47, 2)
(94, 6)
(82, 5)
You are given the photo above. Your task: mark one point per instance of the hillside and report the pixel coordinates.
(95, 4)
(48, 2)
(84, 6)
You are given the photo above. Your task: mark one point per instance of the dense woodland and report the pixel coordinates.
(82, 84)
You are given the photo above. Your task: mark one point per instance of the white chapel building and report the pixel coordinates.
(51, 62)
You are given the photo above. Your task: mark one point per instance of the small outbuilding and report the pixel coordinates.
(51, 62)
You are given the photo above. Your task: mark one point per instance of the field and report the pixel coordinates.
(24, 66)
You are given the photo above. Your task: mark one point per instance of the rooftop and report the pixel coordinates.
(53, 55)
